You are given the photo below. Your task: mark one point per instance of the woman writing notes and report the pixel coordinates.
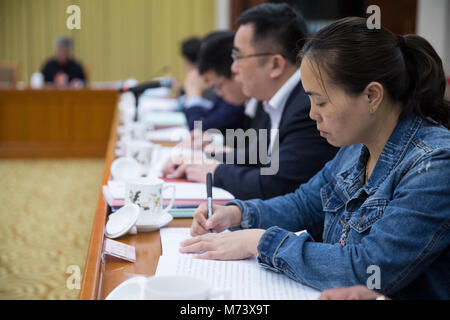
(384, 201)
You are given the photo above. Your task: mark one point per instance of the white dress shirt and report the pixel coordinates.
(276, 104)
(250, 107)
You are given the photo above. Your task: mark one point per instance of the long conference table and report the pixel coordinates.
(103, 273)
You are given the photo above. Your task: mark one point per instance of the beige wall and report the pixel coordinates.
(433, 23)
(118, 39)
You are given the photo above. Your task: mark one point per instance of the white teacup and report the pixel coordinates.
(144, 152)
(147, 194)
(179, 287)
(134, 130)
(175, 287)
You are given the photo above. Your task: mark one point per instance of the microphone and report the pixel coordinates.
(163, 82)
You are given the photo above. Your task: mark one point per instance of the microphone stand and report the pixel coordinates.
(137, 94)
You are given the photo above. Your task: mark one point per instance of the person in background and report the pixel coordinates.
(63, 70)
(265, 63)
(189, 51)
(379, 212)
(214, 65)
(216, 114)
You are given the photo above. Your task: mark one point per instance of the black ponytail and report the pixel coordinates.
(425, 95)
(408, 67)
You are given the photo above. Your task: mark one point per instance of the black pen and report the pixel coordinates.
(209, 194)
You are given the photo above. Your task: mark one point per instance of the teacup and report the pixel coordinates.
(173, 287)
(147, 194)
(144, 152)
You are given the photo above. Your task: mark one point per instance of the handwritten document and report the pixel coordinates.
(245, 279)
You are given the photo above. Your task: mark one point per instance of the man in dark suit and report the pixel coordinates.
(214, 66)
(265, 52)
(63, 70)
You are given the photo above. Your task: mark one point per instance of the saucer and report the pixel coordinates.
(147, 225)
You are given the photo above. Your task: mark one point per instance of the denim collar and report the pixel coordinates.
(352, 178)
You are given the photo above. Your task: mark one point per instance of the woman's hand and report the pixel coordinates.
(223, 217)
(351, 293)
(224, 246)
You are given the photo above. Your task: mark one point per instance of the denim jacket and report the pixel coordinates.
(392, 233)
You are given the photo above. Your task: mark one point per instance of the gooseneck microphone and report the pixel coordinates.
(140, 88)
(163, 82)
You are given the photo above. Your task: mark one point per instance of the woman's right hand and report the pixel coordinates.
(223, 217)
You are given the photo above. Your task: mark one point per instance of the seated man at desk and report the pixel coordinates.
(218, 113)
(63, 70)
(214, 65)
(264, 55)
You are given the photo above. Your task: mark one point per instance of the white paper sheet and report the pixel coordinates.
(245, 279)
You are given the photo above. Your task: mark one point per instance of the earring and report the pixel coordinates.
(371, 109)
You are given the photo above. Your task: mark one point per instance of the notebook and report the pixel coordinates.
(245, 279)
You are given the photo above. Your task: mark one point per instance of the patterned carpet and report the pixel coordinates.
(46, 209)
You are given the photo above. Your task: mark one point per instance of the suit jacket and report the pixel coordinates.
(302, 153)
(259, 121)
(222, 116)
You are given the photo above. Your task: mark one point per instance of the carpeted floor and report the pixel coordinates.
(47, 209)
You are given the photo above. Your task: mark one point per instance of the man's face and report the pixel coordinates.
(252, 72)
(228, 89)
(63, 53)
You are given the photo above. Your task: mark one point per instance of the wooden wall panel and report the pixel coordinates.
(55, 123)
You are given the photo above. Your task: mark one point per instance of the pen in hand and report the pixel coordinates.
(209, 194)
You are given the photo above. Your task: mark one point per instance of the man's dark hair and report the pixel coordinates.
(190, 48)
(215, 53)
(277, 26)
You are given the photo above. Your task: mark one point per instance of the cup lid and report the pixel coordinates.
(121, 221)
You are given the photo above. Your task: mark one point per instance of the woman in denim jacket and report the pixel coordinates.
(378, 214)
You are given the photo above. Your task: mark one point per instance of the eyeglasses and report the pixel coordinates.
(235, 56)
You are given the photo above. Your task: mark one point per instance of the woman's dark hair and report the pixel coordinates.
(215, 53)
(410, 70)
(190, 48)
(277, 24)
